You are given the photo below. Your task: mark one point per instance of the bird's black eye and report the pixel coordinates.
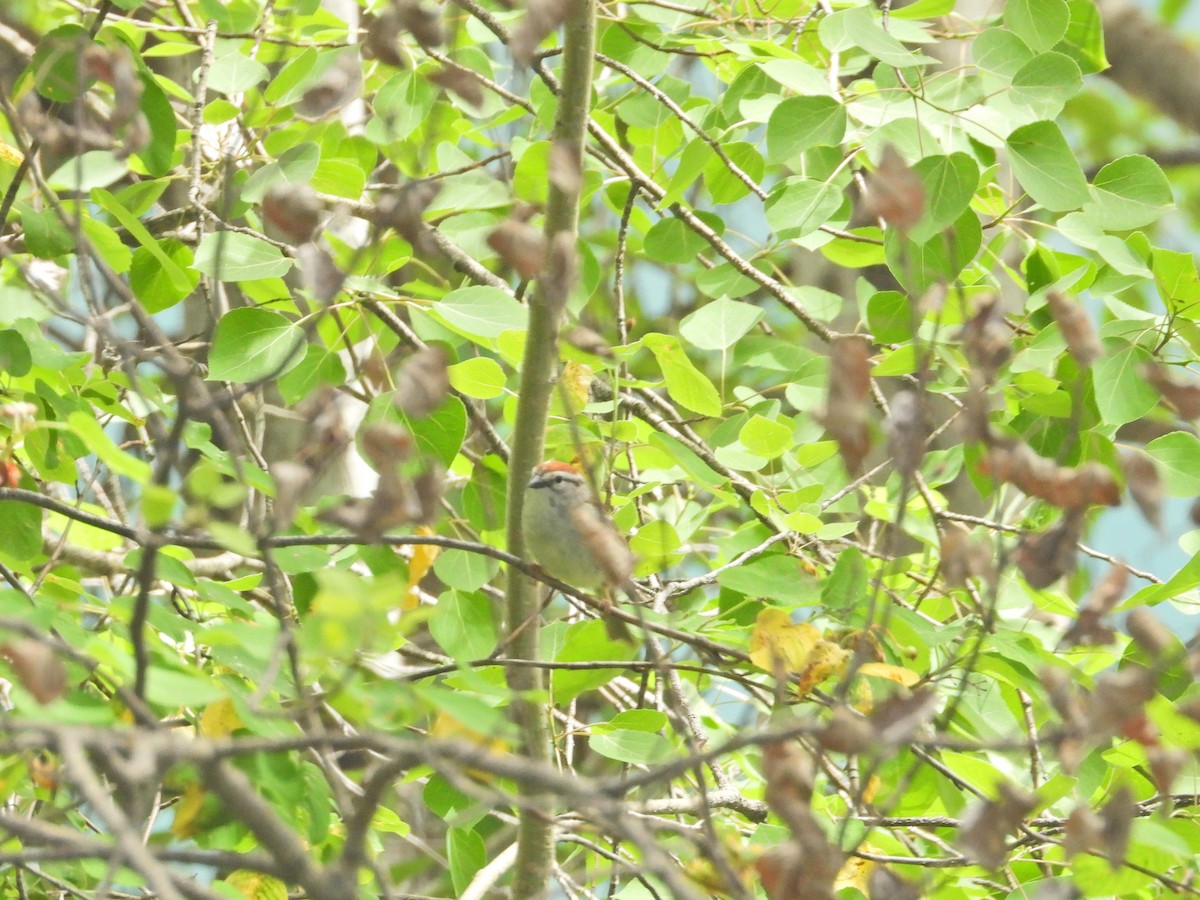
(558, 479)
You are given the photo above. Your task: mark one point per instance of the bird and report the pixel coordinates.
(570, 536)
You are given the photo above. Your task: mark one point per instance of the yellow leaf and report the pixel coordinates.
(855, 873)
(256, 885)
(777, 641)
(574, 386)
(419, 565)
(219, 719)
(10, 154)
(871, 788)
(898, 674)
(188, 810)
(826, 659)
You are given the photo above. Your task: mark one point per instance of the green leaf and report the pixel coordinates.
(480, 377)
(799, 206)
(22, 532)
(253, 344)
(1084, 40)
(671, 241)
(45, 234)
(799, 123)
(1177, 281)
(438, 435)
(1039, 23)
(772, 577)
(401, 107)
(858, 27)
(98, 442)
(233, 256)
(463, 625)
(55, 63)
(765, 437)
(635, 747)
(480, 312)
(1178, 454)
(15, 358)
(159, 151)
(1122, 392)
(163, 282)
(466, 855)
(1000, 51)
(1046, 166)
(235, 73)
(319, 366)
(1046, 83)
(96, 168)
(687, 385)
(890, 317)
(847, 586)
(588, 642)
(156, 285)
(1129, 192)
(720, 324)
(941, 258)
(949, 183)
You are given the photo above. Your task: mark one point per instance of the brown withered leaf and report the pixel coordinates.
(1090, 484)
(403, 208)
(1045, 557)
(1077, 329)
(789, 772)
(421, 22)
(382, 32)
(38, 668)
(293, 210)
(1183, 395)
(806, 866)
(521, 246)
(541, 18)
(902, 715)
(1155, 638)
(1117, 816)
(337, 86)
(895, 193)
(907, 429)
(605, 545)
(561, 270)
(1146, 488)
(962, 557)
(583, 338)
(318, 272)
(1082, 831)
(1089, 627)
(987, 825)
(114, 65)
(845, 413)
(787, 872)
(1117, 705)
(847, 732)
(986, 340)
(291, 481)
(422, 382)
(460, 82)
(977, 408)
(884, 884)
(1165, 765)
(566, 168)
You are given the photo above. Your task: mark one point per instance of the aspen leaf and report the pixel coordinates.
(777, 641)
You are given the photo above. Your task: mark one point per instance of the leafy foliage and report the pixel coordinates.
(863, 334)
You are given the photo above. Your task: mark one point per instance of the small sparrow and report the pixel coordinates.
(570, 536)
